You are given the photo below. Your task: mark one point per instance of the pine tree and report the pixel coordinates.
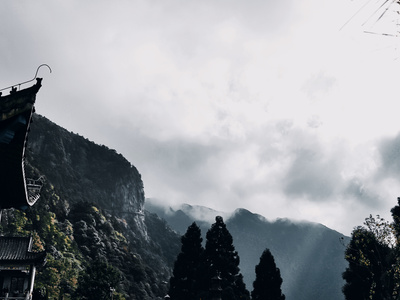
(222, 260)
(184, 284)
(267, 285)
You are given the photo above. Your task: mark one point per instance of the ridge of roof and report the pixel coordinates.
(18, 249)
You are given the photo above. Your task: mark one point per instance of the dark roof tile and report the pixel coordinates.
(18, 249)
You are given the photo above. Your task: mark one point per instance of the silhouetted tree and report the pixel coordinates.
(184, 284)
(222, 260)
(396, 219)
(396, 264)
(267, 285)
(369, 274)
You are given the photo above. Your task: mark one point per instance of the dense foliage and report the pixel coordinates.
(267, 285)
(74, 247)
(98, 281)
(374, 260)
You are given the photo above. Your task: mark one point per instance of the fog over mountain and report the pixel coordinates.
(95, 199)
(275, 102)
(309, 255)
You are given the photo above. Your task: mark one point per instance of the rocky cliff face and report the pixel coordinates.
(91, 208)
(84, 171)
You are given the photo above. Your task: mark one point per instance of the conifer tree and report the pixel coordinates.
(184, 284)
(222, 260)
(267, 285)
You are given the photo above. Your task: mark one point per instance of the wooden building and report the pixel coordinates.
(18, 262)
(18, 265)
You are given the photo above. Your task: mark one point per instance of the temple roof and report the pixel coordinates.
(19, 250)
(16, 111)
(18, 101)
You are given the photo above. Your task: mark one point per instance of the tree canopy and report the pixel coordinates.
(197, 269)
(374, 260)
(98, 281)
(184, 283)
(267, 285)
(367, 273)
(222, 260)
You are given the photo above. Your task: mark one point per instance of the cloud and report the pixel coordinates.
(363, 192)
(318, 85)
(263, 105)
(311, 176)
(269, 169)
(389, 150)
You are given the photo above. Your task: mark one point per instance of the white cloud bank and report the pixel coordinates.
(265, 105)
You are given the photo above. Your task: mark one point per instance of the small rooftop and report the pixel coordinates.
(19, 250)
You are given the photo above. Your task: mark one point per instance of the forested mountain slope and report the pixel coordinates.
(91, 209)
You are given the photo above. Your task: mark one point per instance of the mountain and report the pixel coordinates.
(91, 209)
(309, 255)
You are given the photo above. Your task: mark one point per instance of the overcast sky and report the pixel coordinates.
(286, 108)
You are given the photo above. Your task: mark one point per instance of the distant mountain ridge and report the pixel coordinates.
(309, 255)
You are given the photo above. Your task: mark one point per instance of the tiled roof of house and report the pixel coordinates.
(18, 249)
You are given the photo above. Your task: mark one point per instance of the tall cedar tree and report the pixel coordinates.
(184, 283)
(222, 260)
(267, 285)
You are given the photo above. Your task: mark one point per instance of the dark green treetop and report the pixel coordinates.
(371, 261)
(267, 285)
(184, 283)
(98, 281)
(222, 260)
(396, 219)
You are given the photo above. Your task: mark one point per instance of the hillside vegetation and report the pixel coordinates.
(91, 212)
